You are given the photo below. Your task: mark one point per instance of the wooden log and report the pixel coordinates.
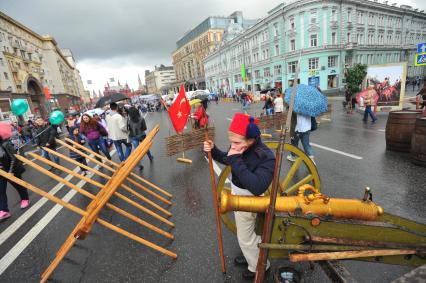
(366, 243)
(100, 174)
(92, 196)
(113, 170)
(79, 146)
(112, 185)
(348, 255)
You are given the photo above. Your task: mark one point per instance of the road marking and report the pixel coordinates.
(325, 119)
(381, 130)
(14, 252)
(236, 109)
(145, 115)
(337, 151)
(229, 119)
(217, 169)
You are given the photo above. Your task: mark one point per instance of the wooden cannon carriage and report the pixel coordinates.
(307, 233)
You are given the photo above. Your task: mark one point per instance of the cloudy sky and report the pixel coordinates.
(122, 38)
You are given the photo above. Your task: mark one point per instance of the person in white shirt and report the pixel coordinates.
(278, 104)
(302, 132)
(117, 132)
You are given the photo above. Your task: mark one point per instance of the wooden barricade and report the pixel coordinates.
(121, 173)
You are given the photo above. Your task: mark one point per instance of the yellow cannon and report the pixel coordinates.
(311, 204)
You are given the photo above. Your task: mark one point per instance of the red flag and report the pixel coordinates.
(46, 93)
(179, 111)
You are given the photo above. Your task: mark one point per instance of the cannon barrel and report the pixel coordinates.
(316, 204)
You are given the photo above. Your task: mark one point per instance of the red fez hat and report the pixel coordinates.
(244, 125)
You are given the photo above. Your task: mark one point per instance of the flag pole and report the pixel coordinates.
(215, 199)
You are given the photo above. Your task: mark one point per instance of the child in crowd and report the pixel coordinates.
(77, 137)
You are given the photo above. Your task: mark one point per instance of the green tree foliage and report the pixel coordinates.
(354, 77)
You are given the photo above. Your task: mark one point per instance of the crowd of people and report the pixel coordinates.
(118, 126)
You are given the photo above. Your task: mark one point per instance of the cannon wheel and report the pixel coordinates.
(288, 184)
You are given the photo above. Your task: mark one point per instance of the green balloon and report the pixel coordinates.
(56, 117)
(19, 106)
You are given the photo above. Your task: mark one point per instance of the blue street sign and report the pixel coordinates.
(421, 47)
(420, 59)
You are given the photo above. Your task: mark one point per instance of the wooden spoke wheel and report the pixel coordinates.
(293, 175)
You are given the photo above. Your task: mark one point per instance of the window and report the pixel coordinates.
(1, 62)
(314, 40)
(292, 67)
(6, 77)
(277, 50)
(333, 38)
(276, 29)
(313, 63)
(313, 17)
(349, 37)
(267, 53)
(333, 15)
(292, 24)
(332, 61)
(277, 70)
(349, 16)
(256, 74)
(266, 72)
(292, 45)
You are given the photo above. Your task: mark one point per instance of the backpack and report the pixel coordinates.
(314, 124)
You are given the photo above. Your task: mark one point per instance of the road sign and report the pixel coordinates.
(421, 47)
(420, 59)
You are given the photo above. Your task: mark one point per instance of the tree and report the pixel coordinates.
(354, 78)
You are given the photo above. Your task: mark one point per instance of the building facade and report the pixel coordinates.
(160, 79)
(325, 37)
(199, 42)
(33, 67)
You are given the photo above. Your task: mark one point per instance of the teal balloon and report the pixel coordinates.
(19, 106)
(56, 117)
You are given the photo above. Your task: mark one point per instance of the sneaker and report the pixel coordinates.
(84, 173)
(4, 214)
(240, 260)
(25, 203)
(151, 158)
(291, 158)
(374, 121)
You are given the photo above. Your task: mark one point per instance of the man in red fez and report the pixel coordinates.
(252, 164)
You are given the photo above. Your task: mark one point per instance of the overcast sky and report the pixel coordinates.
(122, 38)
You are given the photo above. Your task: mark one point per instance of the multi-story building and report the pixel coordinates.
(31, 64)
(160, 79)
(200, 41)
(325, 37)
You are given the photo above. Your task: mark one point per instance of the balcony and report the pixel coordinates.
(15, 45)
(14, 68)
(351, 45)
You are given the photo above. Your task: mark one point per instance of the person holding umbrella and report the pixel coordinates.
(9, 163)
(309, 102)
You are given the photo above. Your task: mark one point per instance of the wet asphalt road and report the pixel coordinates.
(105, 256)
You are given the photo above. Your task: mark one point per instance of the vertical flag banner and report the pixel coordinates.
(89, 82)
(179, 111)
(111, 80)
(243, 72)
(46, 93)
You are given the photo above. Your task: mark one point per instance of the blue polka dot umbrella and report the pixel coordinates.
(308, 101)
